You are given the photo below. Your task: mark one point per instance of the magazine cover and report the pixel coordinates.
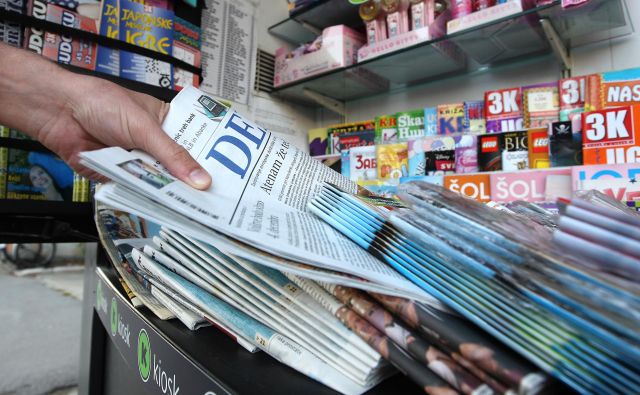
(335, 131)
(538, 144)
(600, 177)
(386, 129)
(474, 121)
(318, 141)
(490, 147)
(475, 186)
(345, 165)
(529, 186)
(73, 51)
(362, 163)
(451, 118)
(572, 97)
(431, 155)
(186, 33)
(34, 37)
(11, 32)
(410, 124)
(466, 153)
(541, 105)
(4, 160)
(190, 55)
(357, 139)
(37, 176)
(431, 121)
(620, 88)
(108, 59)
(392, 161)
(503, 110)
(565, 146)
(515, 154)
(148, 27)
(611, 136)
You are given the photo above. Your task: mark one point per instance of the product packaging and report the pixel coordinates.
(397, 12)
(374, 21)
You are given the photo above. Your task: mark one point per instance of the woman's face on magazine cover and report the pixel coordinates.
(39, 177)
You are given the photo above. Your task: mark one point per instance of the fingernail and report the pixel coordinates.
(200, 178)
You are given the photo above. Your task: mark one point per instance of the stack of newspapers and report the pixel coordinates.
(291, 258)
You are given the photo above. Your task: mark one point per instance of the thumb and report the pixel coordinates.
(177, 160)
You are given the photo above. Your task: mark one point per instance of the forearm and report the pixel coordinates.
(33, 90)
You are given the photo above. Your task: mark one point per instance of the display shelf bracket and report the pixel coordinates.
(559, 49)
(326, 102)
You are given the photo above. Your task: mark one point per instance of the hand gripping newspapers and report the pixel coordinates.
(256, 208)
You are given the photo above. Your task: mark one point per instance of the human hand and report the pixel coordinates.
(70, 113)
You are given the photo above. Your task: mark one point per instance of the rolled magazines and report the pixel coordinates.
(423, 352)
(462, 340)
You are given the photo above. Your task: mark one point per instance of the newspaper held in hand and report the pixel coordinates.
(261, 188)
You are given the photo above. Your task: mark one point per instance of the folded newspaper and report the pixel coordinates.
(257, 206)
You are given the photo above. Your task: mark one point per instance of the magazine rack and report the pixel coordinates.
(205, 361)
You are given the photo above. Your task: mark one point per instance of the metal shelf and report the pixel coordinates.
(506, 41)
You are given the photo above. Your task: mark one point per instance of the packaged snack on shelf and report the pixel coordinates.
(611, 136)
(374, 21)
(538, 143)
(335, 131)
(436, 180)
(529, 185)
(392, 161)
(541, 105)
(466, 153)
(410, 124)
(73, 51)
(515, 153)
(572, 97)
(475, 186)
(397, 14)
(386, 129)
(451, 118)
(362, 163)
(565, 145)
(490, 148)
(474, 121)
(430, 121)
(318, 141)
(357, 139)
(336, 48)
(503, 110)
(412, 37)
(423, 13)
